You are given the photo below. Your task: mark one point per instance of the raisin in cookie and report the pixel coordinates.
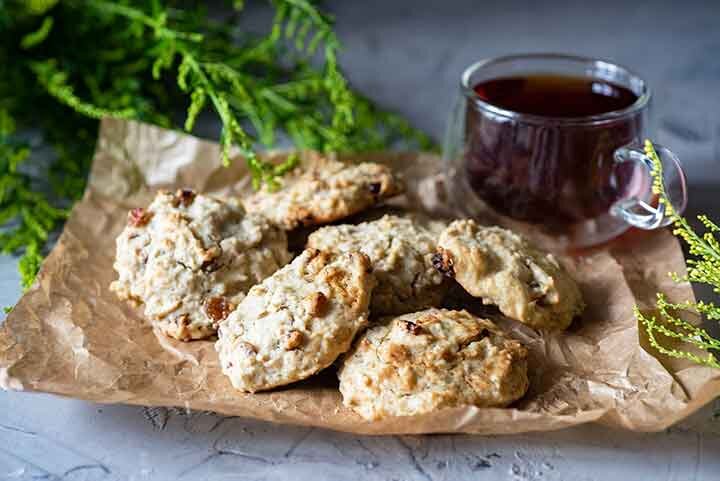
(504, 269)
(191, 258)
(425, 361)
(323, 191)
(297, 321)
(400, 251)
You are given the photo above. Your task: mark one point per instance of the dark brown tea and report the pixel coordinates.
(555, 95)
(553, 169)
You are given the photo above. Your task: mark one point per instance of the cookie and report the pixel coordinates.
(504, 269)
(297, 321)
(425, 361)
(191, 258)
(323, 191)
(401, 252)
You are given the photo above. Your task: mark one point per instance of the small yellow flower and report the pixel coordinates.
(703, 268)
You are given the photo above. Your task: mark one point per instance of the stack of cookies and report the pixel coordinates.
(366, 295)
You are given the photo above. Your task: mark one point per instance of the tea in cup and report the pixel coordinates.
(554, 141)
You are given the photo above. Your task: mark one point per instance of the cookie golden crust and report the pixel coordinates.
(324, 191)
(400, 251)
(297, 321)
(421, 362)
(191, 258)
(502, 268)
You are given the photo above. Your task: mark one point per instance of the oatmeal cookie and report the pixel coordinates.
(502, 268)
(421, 362)
(297, 321)
(191, 258)
(400, 251)
(323, 191)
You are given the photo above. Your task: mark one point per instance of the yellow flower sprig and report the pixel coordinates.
(703, 268)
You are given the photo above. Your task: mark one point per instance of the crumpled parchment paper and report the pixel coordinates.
(69, 335)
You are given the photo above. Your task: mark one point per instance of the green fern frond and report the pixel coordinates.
(78, 61)
(55, 82)
(39, 7)
(27, 218)
(35, 38)
(29, 264)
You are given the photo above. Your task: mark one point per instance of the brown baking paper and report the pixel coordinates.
(69, 335)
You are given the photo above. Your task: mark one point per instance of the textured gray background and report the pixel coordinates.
(408, 56)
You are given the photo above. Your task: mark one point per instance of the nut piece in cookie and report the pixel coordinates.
(502, 268)
(297, 321)
(421, 362)
(190, 258)
(322, 191)
(401, 251)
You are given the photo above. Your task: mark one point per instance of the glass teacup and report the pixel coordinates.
(569, 165)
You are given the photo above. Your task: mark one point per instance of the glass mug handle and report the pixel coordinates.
(636, 208)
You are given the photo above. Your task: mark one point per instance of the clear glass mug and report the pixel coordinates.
(580, 181)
